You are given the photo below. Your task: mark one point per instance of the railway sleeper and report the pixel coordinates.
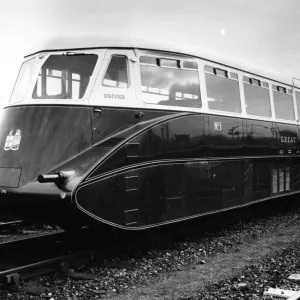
(14, 279)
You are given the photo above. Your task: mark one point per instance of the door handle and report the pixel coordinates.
(138, 114)
(97, 112)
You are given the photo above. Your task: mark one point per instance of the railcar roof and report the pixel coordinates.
(100, 40)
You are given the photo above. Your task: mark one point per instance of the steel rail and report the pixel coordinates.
(10, 223)
(46, 262)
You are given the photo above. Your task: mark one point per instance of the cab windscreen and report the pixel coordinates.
(64, 76)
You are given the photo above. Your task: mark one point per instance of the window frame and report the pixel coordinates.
(229, 71)
(41, 57)
(67, 83)
(181, 58)
(261, 81)
(31, 84)
(265, 82)
(45, 56)
(275, 87)
(128, 73)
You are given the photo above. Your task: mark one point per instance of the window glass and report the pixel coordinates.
(54, 79)
(246, 79)
(64, 76)
(252, 80)
(148, 60)
(281, 89)
(255, 82)
(24, 78)
(209, 69)
(169, 63)
(233, 75)
(284, 106)
(168, 86)
(223, 93)
(257, 101)
(117, 74)
(38, 86)
(222, 73)
(190, 65)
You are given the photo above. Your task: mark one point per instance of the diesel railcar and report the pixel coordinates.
(136, 134)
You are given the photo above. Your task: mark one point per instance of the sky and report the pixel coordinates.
(262, 32)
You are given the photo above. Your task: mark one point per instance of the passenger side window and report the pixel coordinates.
(257, 97)
(170, 82)
(283, 103)
(117, 73)
(223, 91)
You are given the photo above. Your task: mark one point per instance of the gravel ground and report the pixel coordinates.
(272, 271)
(138, 274)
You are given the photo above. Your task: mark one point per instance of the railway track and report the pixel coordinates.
(25, 258)
(58, 252)
(11, 226)
(25, 250)
(33, 256)
(4, 224)
(20, 225)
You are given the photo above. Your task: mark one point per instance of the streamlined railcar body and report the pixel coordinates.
(135, 135)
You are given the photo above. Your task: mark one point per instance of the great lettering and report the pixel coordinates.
(288, 139)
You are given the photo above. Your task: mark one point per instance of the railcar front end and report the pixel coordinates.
(41, 135)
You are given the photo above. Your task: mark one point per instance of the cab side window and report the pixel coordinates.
(117, 72)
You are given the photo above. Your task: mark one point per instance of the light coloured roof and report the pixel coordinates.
(81, 41)
(101, 40)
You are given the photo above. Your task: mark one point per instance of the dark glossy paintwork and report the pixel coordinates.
(188, 165)
(136, 169)
(195, 136)
(163, 192)
(49, 136)
(53, 139)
